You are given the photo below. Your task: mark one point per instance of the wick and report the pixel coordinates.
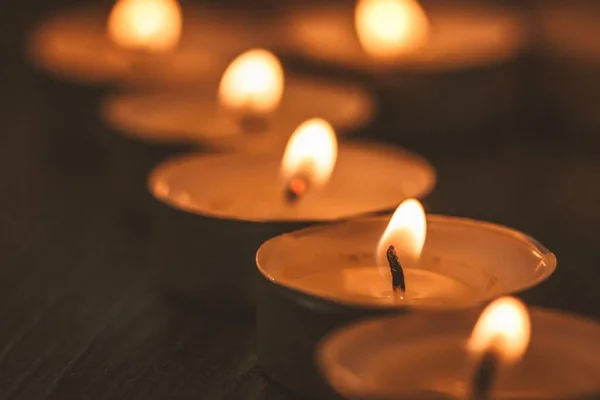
(141, 62)
(485, 376)
(398, 281)
(253, 123)
(295, 189)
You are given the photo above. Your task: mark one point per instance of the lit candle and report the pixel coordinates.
(399, 34)
(431, 277)
(321, 277)
(252, 108)
(143, 42)
(240, 200)
(501, 336)
(537, 354)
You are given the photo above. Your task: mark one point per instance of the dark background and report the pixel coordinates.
(80, 314)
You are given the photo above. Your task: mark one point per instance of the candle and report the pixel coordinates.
(316, 279)
(399, 34)
(228, 204)
(253, 107)
(539, 354)
(143, 42)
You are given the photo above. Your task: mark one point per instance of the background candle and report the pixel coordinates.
(448, 36)
(225, 206)
(316, 279)
(84, 45)
(196, 115)
(424, 356)
(451, 86)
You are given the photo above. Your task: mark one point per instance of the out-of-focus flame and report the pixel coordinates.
(504, 328)
(253, 82)
(311, 153)
(406, 231)
(149, 25)
(389, 28)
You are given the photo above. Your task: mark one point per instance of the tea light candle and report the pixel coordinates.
(143, 42)
(229, 204)
(253, 108)
(398, 34)
(539, 354)
(318, 278)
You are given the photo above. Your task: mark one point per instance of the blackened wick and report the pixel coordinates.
(485, 376)
(295, 189)
(398, 281)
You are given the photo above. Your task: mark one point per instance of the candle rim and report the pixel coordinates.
(546, 258)
(117, 110)
(409, 328)
(218, 158)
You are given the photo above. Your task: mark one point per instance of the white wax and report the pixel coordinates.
(195, 114)
(463, 35)
(240, 186)
(74, 44)
(369, 284)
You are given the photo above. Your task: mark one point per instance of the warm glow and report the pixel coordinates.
(311, 152)
(503, 327)
(253, 82)
(151, 25)
(389, 28)
(406, 231)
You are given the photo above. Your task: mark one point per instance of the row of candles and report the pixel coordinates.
(378, 35)
(170, 44)
(295, 172)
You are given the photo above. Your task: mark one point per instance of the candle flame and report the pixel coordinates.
(389, 28)
(406, 231)
(503, 327)
(311, 153)
(253, 82)
(150, 25)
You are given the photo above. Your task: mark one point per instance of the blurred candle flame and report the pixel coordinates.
(149, 25)
(503, 327)
(311, 153)
(253, 82)
(406, 231)
(389, 28)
